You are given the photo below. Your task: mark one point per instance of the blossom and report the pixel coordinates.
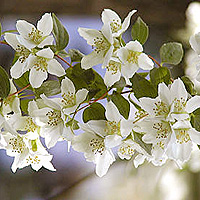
(31, 37)
(70, 98)
(52, 121)
(132, 59)
(92, 144)
(195, 42)
(40, 64)
(20, 66)
(117, 27)
(102, 41)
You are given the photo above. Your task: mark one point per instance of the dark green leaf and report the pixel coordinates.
(24, 105)
(138, 139)
(140, 31)
(144, 74)
(75, 55)
(121, 103)
(189, 85)
(171, 53)
(4, 83)
(195, 119)
(23, 80)
(135, 104)
(49, 88)
(142, 87)
(120, 84)
(60, 33)
(159, 75)
(94, 112)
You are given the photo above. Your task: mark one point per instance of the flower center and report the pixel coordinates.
(54, 118)
(41, 64)
(30, 125)
(18, 145)
(22, 52)
(161, 108)
(133, 56)
(113, 66)
(36, 36)
(162, 129)
(179, 105)
(101, 44)
(33, 160)
(126, 150)
(97, 145)
(112, 128)
(69, 99)
(182, 136)
(115, 25)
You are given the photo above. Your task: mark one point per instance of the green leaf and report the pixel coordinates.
(23, 81)
(195, 119)
(171, 53)
(4, 83)
(95, 112)
(189, 85)
(135, 104)
(140, 31)
(49, 88)
(73, 123)
(121, 103)
(88, 79)
(138, 139)
(159, 75)
(142, 87)
(60, 33)
(144, 74)
(63, 54)
(75, 55)
(24, 105)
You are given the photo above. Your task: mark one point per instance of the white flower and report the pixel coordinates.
(195, 42)
(27, 152)
(11, 103)
(70, 98)
(92, 144)
(31, 37)
(42, 63)
(117, 27)
(20, 65)
(132, 59)
(102, 41)
(52, 121)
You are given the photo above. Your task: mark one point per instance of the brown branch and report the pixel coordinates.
(63, 60)
(20, 90)
(155, 61)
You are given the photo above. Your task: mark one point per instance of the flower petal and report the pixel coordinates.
(25, 42)
(98, 126)
(194, 135)
(192, 104)
(45, 24)
(36, 77)
(145, 62)
(46, 53)
(17, 69)
(109, 16)
(112, 141)
(81, 95)
(47, 41)
(164, 93)
(67, 86)
(11, 39)
(128, 69)
(55, 68)
(195, 42)
(50, 102)
(112, 113)
(111, 77)
(134, 46)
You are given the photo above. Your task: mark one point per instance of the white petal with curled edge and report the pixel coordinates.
(178, 90)
(24, 28)
(11, 39)
(36, 77)
(109, 16)
(103, 162)
(164, 93)
(89, 34)
(46, 53)
(122, 53)
(112, 113)
(98, 126)
(194, 135)
(55, 68)
(45, 24)
(48, 165)
(106, 31)
(17, 70)
(149, 104)
(50, 102)
(139, 159)
(108, 55)
(134, 46)
(111, 77)
(112, 141)
(67, 86)
(25, 42)
(195, 42)
(47, 41)
(192, 104)
(145, 62)
(81, 95)
(92, 59)
(126, 127)
(69, 110)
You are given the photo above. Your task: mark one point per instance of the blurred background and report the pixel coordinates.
(168, 20)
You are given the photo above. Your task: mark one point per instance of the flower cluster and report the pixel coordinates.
(161, 124)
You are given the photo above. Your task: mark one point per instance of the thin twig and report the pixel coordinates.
(155, 61)
(20, 90)
(63, 60)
